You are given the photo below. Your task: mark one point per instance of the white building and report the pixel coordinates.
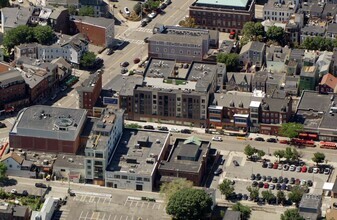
(279, 10)
(136, 159)
(17, 166)
(47, 210)
(102, 141)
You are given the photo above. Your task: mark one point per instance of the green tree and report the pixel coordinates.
(188, 22)
(253, 192)
(281, 196)
(168, 189)
(279, 154)
(151, 5)
(3, 170)
(249, 151)
(86, 11)
(291, 129)
(276, 34)
(296, 155)
(88, 59)
(288, 153)
(260, 153)
(43, 34)
(230, 59)
(72, 10)
(226, 188)
(291, 214)
(252, 31)
(189, 204)
(318, 157)
(296, 194)
(137, 8)
(267, 195)
(244, 210)
(4, 3)
(18, 35)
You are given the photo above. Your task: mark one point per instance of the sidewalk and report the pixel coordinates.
(169, 126)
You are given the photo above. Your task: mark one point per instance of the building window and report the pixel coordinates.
(157, 49)
(131, 178)
(146, 179)
(117, 176)
(139, 179)
(124, 177)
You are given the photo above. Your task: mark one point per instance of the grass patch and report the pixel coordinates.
(180, 82)
(32, 202)
(133, 125)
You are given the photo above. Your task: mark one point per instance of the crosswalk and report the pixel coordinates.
(139, 42)
(146, 30)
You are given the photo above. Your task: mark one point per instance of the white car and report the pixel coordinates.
(127, 11)
(292, 168)
(175, 130)
(152, 15)
(315, 170)
(216, 138)
(298, 169)
(13, 191)
(326, 171)
(303, 182)
(20, 1)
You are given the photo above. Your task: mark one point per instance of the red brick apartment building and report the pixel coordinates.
(48, 129)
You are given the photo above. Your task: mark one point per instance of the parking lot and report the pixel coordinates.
(242, 174)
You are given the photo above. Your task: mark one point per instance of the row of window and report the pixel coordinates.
(188, 52)
(220, 15)
(177, 44)
(123, 177)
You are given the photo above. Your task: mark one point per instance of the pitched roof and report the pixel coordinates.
(14, 156)
(193, 140)
(329, 80)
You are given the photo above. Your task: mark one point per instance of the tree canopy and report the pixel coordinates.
(168, 189)
(276, 34)
(3, 170)
(88, 59)
(291, 214)
(188, 22)
(137, 8)
(151, 5)
(189, 204)
(244, 210)
(252, 31)
(318, 157)
(279, 154)
(296, 194)
(249, 150)
(86, 11)
(43, 34)
(72, 10)
(230, 59)
(253, 192)
(319, 43)
(281, 196)
(291, 129)
(226, 188)
(268, 195)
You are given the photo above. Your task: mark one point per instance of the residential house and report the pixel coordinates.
(225, 16)
(310, 206)
(14, 212)
(259, 81)
(99, 31)
(69, 166)
(26, 50)
(253, 54)
(48, 129)
(276, 57)
(274, 82)
(13, 17)
(328, 84)
(136, 159)
(291, 85)
(312, 31)
(186, 159)
(279, 10)
(238, 81)
(293, 27)
(330, 11)
(17, 166)
(324, 63)
(64, 68)
(89, 91)
(310, 58)
(308, 78)
(59, 20)
(230, 110)
(316, 9)
(294, 63)
(102, 142)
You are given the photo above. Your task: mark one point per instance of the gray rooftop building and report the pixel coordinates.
(310, 206)
(13, 17)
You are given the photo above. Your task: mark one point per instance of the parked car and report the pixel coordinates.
(310, 183)
(275, 166)
(239, 196)
(109, 51)
(163, 6)
(280, 167)
(254, 184)
(272, 140)
(284, 142)
(259, 139)
(252, 177)
(286, 180)
(261, 184)
(283, 186)
(162, 128)
(278, 186)
(175, 130)
(236, 163)
(24, 193)
(124, 64)
(167, 2)
(271, 186)
(127, 11)
(136, 60)
(124, 70)
(280, 179)
(289, 187)
(297, 182)
(245, 197)
(2, 125)
(310, 170)
(274, 180)
(146, 40)
(264, 178)
(218, 171)
(258, 176)
(266, 186)
(216, 138)
(269, 179)
(292, 168)
(152, 15)
(264, 165)
(327, 171)
(303, 182)
(186, 131)
(304, 169)
(292, 180)
(14, 191)
(270, 165)
(150, 127)
(315, 170)
(40, 185)
(285, 167)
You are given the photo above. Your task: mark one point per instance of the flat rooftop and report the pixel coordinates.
(49, 122)
(167, 74)
(186, 155)
(89, 83)
(137, 150)
(233, 3)
(69, 161)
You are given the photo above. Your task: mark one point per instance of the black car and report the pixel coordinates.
(146, 40)
(163, 6)
(254, 184)
(143, 23)
(264, 178)
(150, 127)
(163, 129)
(274, 180)
(292, 180)
(310, 169)
(185, 131)
(259, 139)
(239, 196)
(253, 177)
(269, 179)
(124, 64)
(272, 140)
(2, 125)
(278, 186)
(24, 193)
(40, 185)
(261, 184)
(236, 163)
(264, 165)
(286, 180)
(109, 51)
(258, 176)
(309, 183)
(218, 171)
(289, 187)
(280, 179)
(245, 197)
(335, 204)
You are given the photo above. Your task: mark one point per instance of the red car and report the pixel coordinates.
(275, 166)
(284, 142)
(304, 169)
(266, 186)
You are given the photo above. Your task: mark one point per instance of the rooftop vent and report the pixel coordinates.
(70, 160)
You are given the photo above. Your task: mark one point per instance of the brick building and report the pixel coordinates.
(328, 84)
(99, 31)
(13, 93)
(89, 92)
(48, 129)
(186, 159)
(222, 15)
